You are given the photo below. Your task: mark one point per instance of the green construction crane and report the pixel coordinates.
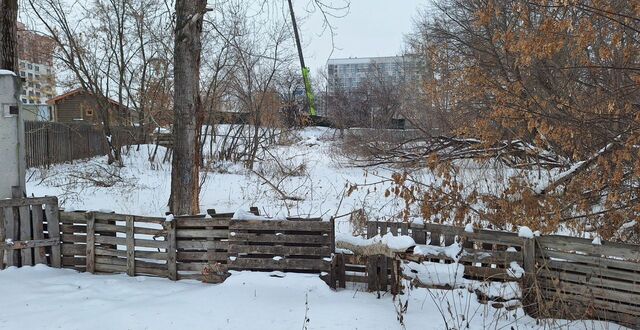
(305, 70)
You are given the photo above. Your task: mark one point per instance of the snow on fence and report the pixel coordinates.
(29, 232)
(565, 277)
(48, 143)
(193, 247)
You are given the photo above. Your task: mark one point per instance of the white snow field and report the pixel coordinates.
(44, 298)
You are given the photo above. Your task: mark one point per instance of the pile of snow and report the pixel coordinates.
(398, 243)
(436, 274)
(452, 251)
(468, 228)
(597, 241)
(515, 270)
(525, 232)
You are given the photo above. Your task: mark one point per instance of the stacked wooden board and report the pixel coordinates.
(202, 246)
(29, 232)
(580, 279)
(487, 255)
(302, 246)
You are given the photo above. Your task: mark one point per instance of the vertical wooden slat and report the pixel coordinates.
(25, 235)
(372, 229)
(332, 273)
(342, 274)
(91, 243)
(393, 228)
(2, 237)
(383, 275)
(53, 227)
(131, 261)
(39, 254)
(172, 266)
(372, 273)
(419, 234)
(12, 231)
(404, 228)
(383, 228)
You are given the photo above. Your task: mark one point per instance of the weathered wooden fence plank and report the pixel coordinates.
(91, 243)
(172, 251)
(53, 228)
(131, 249)
(37, 216)
(25, 234)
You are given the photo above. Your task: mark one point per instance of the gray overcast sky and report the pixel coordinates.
(372, 28)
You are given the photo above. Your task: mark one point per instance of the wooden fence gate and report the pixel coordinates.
(29, 232)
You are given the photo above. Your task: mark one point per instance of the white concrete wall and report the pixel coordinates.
(12, 168)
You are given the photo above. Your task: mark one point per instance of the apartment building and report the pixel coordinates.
(348, 73)
(35, 54)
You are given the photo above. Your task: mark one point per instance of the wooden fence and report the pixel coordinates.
(566, 277)
(192, 247)
(29, 232)
(48, 143)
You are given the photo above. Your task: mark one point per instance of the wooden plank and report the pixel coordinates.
(589, 281)
(594, 302)
(284, 225)
(611, 273)
(161, 256)
(25, 235)
(107, 268)
(202, 245)
(3, 236)
(172, 256)
(284, 238)
(123, 241)
(72, 217)
(280, 250)
(596, 261)
(130, 243)
(37, 217)
(20, 245)
(201, 222)
(202, 233)
(123, 262)
(341, 272)
(372, 229)
(91, 243)
(123, 217)
(566, 243)
(202, 256)
(283, 264)
(74, 249)
(53, 227)
(382, 273)
(594, 292)
(26, 201)
(372, 273)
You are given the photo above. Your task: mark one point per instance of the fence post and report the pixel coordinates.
(528, 281)
(172, 251)
(131, 261)
(91, 243)
(53, 227)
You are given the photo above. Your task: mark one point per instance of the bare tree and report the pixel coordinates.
(8, 35)
(185, 170)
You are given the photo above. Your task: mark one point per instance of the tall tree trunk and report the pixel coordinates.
(185, 188)
(9, 35)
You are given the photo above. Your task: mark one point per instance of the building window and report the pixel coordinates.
(88, 112)
(24, 101)
(22, 74)
(37, 68)
(29, 66)
(30, 75)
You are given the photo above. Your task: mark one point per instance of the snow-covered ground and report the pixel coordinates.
(144, 187)
(45, 298)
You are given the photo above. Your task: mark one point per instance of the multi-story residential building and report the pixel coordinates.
(371, 91)
(35, 54)
(348, 73)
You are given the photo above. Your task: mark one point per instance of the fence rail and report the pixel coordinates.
(566, 277)
(49, 143)
(192, 247)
